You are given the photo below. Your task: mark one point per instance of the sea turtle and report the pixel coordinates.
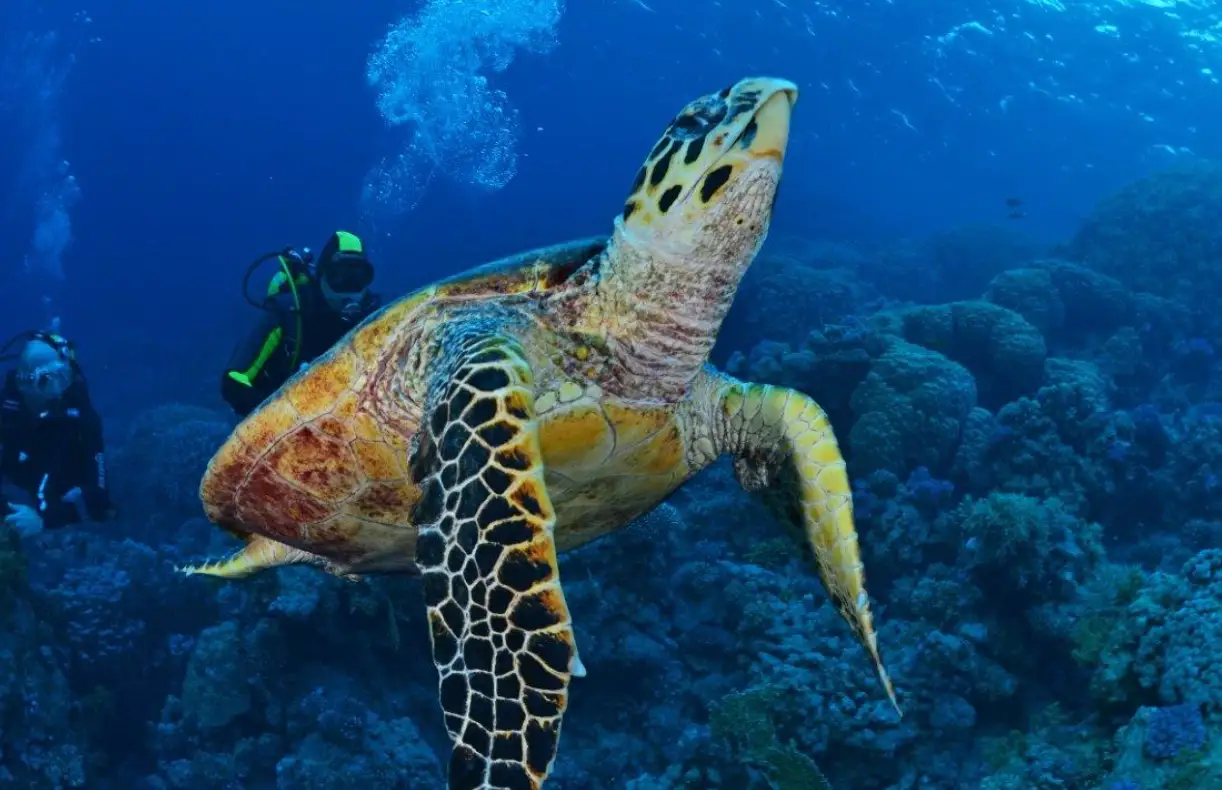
(474, 429)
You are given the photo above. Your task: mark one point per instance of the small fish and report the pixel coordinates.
(1013, 202)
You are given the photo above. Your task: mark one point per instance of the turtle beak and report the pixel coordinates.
(762, 137)
(770, 127)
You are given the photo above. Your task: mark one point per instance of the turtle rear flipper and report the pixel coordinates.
(501, 633)
(259, 553)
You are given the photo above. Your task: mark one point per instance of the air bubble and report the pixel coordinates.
(431, 77)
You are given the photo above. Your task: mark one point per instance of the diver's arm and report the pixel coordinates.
(57, 507)
(81, 494)
(245, 382)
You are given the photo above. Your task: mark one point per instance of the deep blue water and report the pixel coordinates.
(202, 135)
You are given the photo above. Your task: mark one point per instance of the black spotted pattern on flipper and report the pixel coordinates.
(501, 633)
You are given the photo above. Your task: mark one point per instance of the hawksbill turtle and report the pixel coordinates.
(475, 429)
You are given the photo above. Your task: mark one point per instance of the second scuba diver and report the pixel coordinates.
(50, 439)
(308, 308)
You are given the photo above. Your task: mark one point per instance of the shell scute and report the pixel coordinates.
(365, 427)
(533, 271)
(337, 422)
(315, 391)
(267, 499)
(317, 463)
(369, 342)
(378, 461)
(336, 427)
(384, 502)
(274, 419)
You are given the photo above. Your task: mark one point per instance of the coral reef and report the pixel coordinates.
(1154, 236)
(1035, 442)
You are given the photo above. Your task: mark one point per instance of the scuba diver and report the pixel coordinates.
(307, 309)
(50, 438)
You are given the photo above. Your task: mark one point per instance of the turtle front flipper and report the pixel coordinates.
(780, 435)
(501, 633)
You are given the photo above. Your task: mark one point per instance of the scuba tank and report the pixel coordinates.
(296, 270)
(295, 266)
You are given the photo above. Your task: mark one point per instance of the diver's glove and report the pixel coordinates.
(24, 520)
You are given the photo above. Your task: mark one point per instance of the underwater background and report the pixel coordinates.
(996, 262)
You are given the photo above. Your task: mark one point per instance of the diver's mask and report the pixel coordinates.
(45, 366)
(346, 273)
(45, 382)
(345, 280)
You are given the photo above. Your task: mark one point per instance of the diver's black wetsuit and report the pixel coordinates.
(50, 453)
(270, 354)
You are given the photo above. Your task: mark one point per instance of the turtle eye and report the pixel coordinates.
(688, 123)
(698, 119)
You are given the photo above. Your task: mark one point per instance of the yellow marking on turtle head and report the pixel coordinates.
(717, 149)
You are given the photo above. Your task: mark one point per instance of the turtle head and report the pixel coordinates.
(707, 189)
(697, 215)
